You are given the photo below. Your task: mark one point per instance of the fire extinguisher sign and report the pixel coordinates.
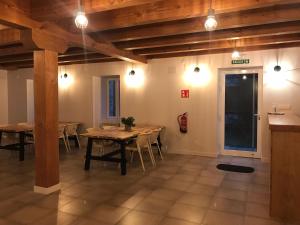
(185, 93)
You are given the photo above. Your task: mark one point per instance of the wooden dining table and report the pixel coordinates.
(21, 130)
(117, 135)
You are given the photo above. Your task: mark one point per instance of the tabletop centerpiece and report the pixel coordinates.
(128, 122)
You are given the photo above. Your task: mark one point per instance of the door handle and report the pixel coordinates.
(257, 115)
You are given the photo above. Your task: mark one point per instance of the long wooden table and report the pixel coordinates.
(118, 135)
(21, 131)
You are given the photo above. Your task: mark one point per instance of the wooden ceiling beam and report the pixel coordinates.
(9, 37)
(50, 32)
(226, 50)
(244, 42)
(166, 10)
(265, 16)
(29, 64)
(61, 58)
(55, 10)
(229, 34)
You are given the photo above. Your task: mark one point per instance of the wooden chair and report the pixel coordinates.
(61, 135)
(154, 141)
(71, 131)
(142, 144)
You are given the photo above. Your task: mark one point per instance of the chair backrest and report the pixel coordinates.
(154, 136)
(142, 140)
(61, 130)
(71, 129)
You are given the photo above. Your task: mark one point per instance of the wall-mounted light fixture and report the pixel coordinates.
(132, 72)
(197, 69)
(81, 20)
(277, 68)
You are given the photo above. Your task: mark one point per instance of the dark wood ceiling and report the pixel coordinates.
(152, 29)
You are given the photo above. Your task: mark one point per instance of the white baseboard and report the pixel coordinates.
(188, 152)
(48, 190)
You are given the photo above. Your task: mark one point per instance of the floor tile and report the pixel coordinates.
(172, 221)
(166, 194)
(195, 200)
(187, 212)
(154, 205)
(221, 218)
(259, 221)
(140, 218)
(28, 214)
(228, 205)
(108, 214)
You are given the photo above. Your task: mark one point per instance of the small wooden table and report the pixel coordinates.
(118, 136)
(16, 129)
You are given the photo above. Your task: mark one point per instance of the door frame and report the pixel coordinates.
(221, 111)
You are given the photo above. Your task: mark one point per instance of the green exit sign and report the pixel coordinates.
(240, 61)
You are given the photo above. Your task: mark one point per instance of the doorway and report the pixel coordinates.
(239, 112)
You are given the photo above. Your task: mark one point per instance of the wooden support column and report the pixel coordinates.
(46, 121)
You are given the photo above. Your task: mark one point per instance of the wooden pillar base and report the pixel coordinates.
(48, 190)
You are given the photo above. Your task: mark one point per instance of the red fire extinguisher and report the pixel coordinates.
(182, 122)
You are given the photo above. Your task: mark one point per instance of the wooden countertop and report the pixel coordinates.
(284, 123)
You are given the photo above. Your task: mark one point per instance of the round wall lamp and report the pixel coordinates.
(197, 69)
(277, 68)
(132, 73)
(64, 76)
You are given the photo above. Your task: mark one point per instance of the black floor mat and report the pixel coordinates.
(235, 168)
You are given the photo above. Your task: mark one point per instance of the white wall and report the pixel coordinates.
(3, 97)
(157, 100)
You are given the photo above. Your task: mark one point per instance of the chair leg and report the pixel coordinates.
(66, 144)
(142, 161)
(151, 155)
(159, 151)
(131, 157)
(78, 141)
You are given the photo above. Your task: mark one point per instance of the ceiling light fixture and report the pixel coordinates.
(211, 22)
(235, 54)
(81, 20)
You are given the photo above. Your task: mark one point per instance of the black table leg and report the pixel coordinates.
(22, 146)
(76, 142)
(88, 154)
(123, 158)
(0, 136)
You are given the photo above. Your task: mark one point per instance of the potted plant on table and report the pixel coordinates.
(128, 122)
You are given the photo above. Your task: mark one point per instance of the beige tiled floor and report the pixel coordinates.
(181, 190)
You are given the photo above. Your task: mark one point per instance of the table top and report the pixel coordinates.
(118, 133)
(15, 128)
(111, 134)
(284, 123)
